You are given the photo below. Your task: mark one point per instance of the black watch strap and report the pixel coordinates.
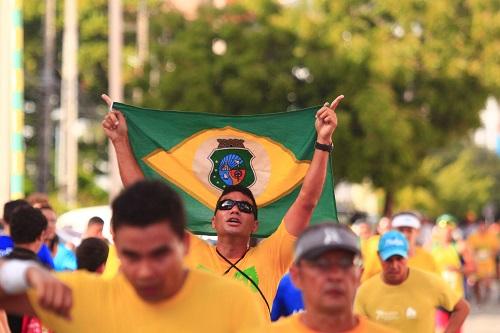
(323, 147)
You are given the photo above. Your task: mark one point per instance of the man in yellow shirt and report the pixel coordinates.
(154, 292)
(406, 298)
(235, 216)
(484, 246)
(327, 268)
(408, 224)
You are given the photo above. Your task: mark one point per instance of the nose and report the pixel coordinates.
(145, 271)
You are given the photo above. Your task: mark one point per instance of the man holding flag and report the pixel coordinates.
(235, 217)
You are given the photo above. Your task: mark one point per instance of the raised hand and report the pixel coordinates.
(326, 121)
(114, 123)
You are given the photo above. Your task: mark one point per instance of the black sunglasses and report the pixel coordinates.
(243, 206)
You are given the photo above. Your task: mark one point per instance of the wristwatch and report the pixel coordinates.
(323, 147)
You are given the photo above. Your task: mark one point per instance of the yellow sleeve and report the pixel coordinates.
(112, 263)
(447, 298)
(48, 318)
(280, 246)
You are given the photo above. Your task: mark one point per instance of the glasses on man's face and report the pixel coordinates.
(344, 263)
(243, 206)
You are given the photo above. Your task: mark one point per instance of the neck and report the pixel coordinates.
(6, 229)
(33, 247)
(396, 282)
(232, 247)
(329, 322)
(411, 249)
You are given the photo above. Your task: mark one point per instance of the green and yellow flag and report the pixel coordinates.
(199, 154)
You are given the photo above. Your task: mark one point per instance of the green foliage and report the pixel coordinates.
(415, 73)
(459, 179)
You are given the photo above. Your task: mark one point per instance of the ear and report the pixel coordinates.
(295, 276)
(256, 226)
(101, 268)
(187, 242)
(213, 222)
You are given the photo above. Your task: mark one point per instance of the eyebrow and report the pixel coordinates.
(156, 251)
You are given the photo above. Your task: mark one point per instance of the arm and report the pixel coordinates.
(115, 127)
(458, 315)
(298, 216)
(17, 276)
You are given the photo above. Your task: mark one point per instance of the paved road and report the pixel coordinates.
(485, 319)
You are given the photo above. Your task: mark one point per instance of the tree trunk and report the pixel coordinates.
(67, 170)
(49, 97)
(142, 46)
(389, 202)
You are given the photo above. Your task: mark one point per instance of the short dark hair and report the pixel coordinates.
(147, 202)
(10, 206)
(95, 220)
(241, 189)
(27, 225)
(91, 254)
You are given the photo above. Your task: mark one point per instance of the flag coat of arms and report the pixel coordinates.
(199, 154)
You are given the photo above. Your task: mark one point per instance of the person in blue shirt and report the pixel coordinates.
(6, 243)
(288, 299)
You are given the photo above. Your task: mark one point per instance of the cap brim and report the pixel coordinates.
(318, 251)
(393, 252)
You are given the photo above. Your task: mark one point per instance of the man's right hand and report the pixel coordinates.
(114, 123)
(52, 294)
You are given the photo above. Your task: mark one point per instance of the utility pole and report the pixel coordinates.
(11, 101)
(142, 33)
(115, 19)
(67, 166)
(44, 126)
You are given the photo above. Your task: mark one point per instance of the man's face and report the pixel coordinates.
(152, 259)
(410, 234)
(394, 269)
(233, 221)
(328, 283)
(95, 230)
(51, 217)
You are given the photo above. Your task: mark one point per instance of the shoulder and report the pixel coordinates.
(286, 325)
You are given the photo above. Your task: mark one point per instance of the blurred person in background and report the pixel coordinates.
(408, 224)
(327, 269)
(369, 247)
(453, 260)
(6, 243)
(27, 229)
(92, 254)
(95, 227)
(406, 298)
(484, 246)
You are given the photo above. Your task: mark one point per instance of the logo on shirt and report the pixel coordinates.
(383, 315)
(411, 313)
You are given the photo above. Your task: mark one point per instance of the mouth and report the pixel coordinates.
(233, 221)
(335, 292)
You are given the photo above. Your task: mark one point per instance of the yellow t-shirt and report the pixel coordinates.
(265, 264)
(421, 259)
(448, 261)
(408, 307)
(293, 324)
(112, 263)
(205, 303)
(484, 247)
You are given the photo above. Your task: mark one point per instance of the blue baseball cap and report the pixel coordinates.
(392, 243)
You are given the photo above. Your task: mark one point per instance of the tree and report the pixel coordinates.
(456, 180)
